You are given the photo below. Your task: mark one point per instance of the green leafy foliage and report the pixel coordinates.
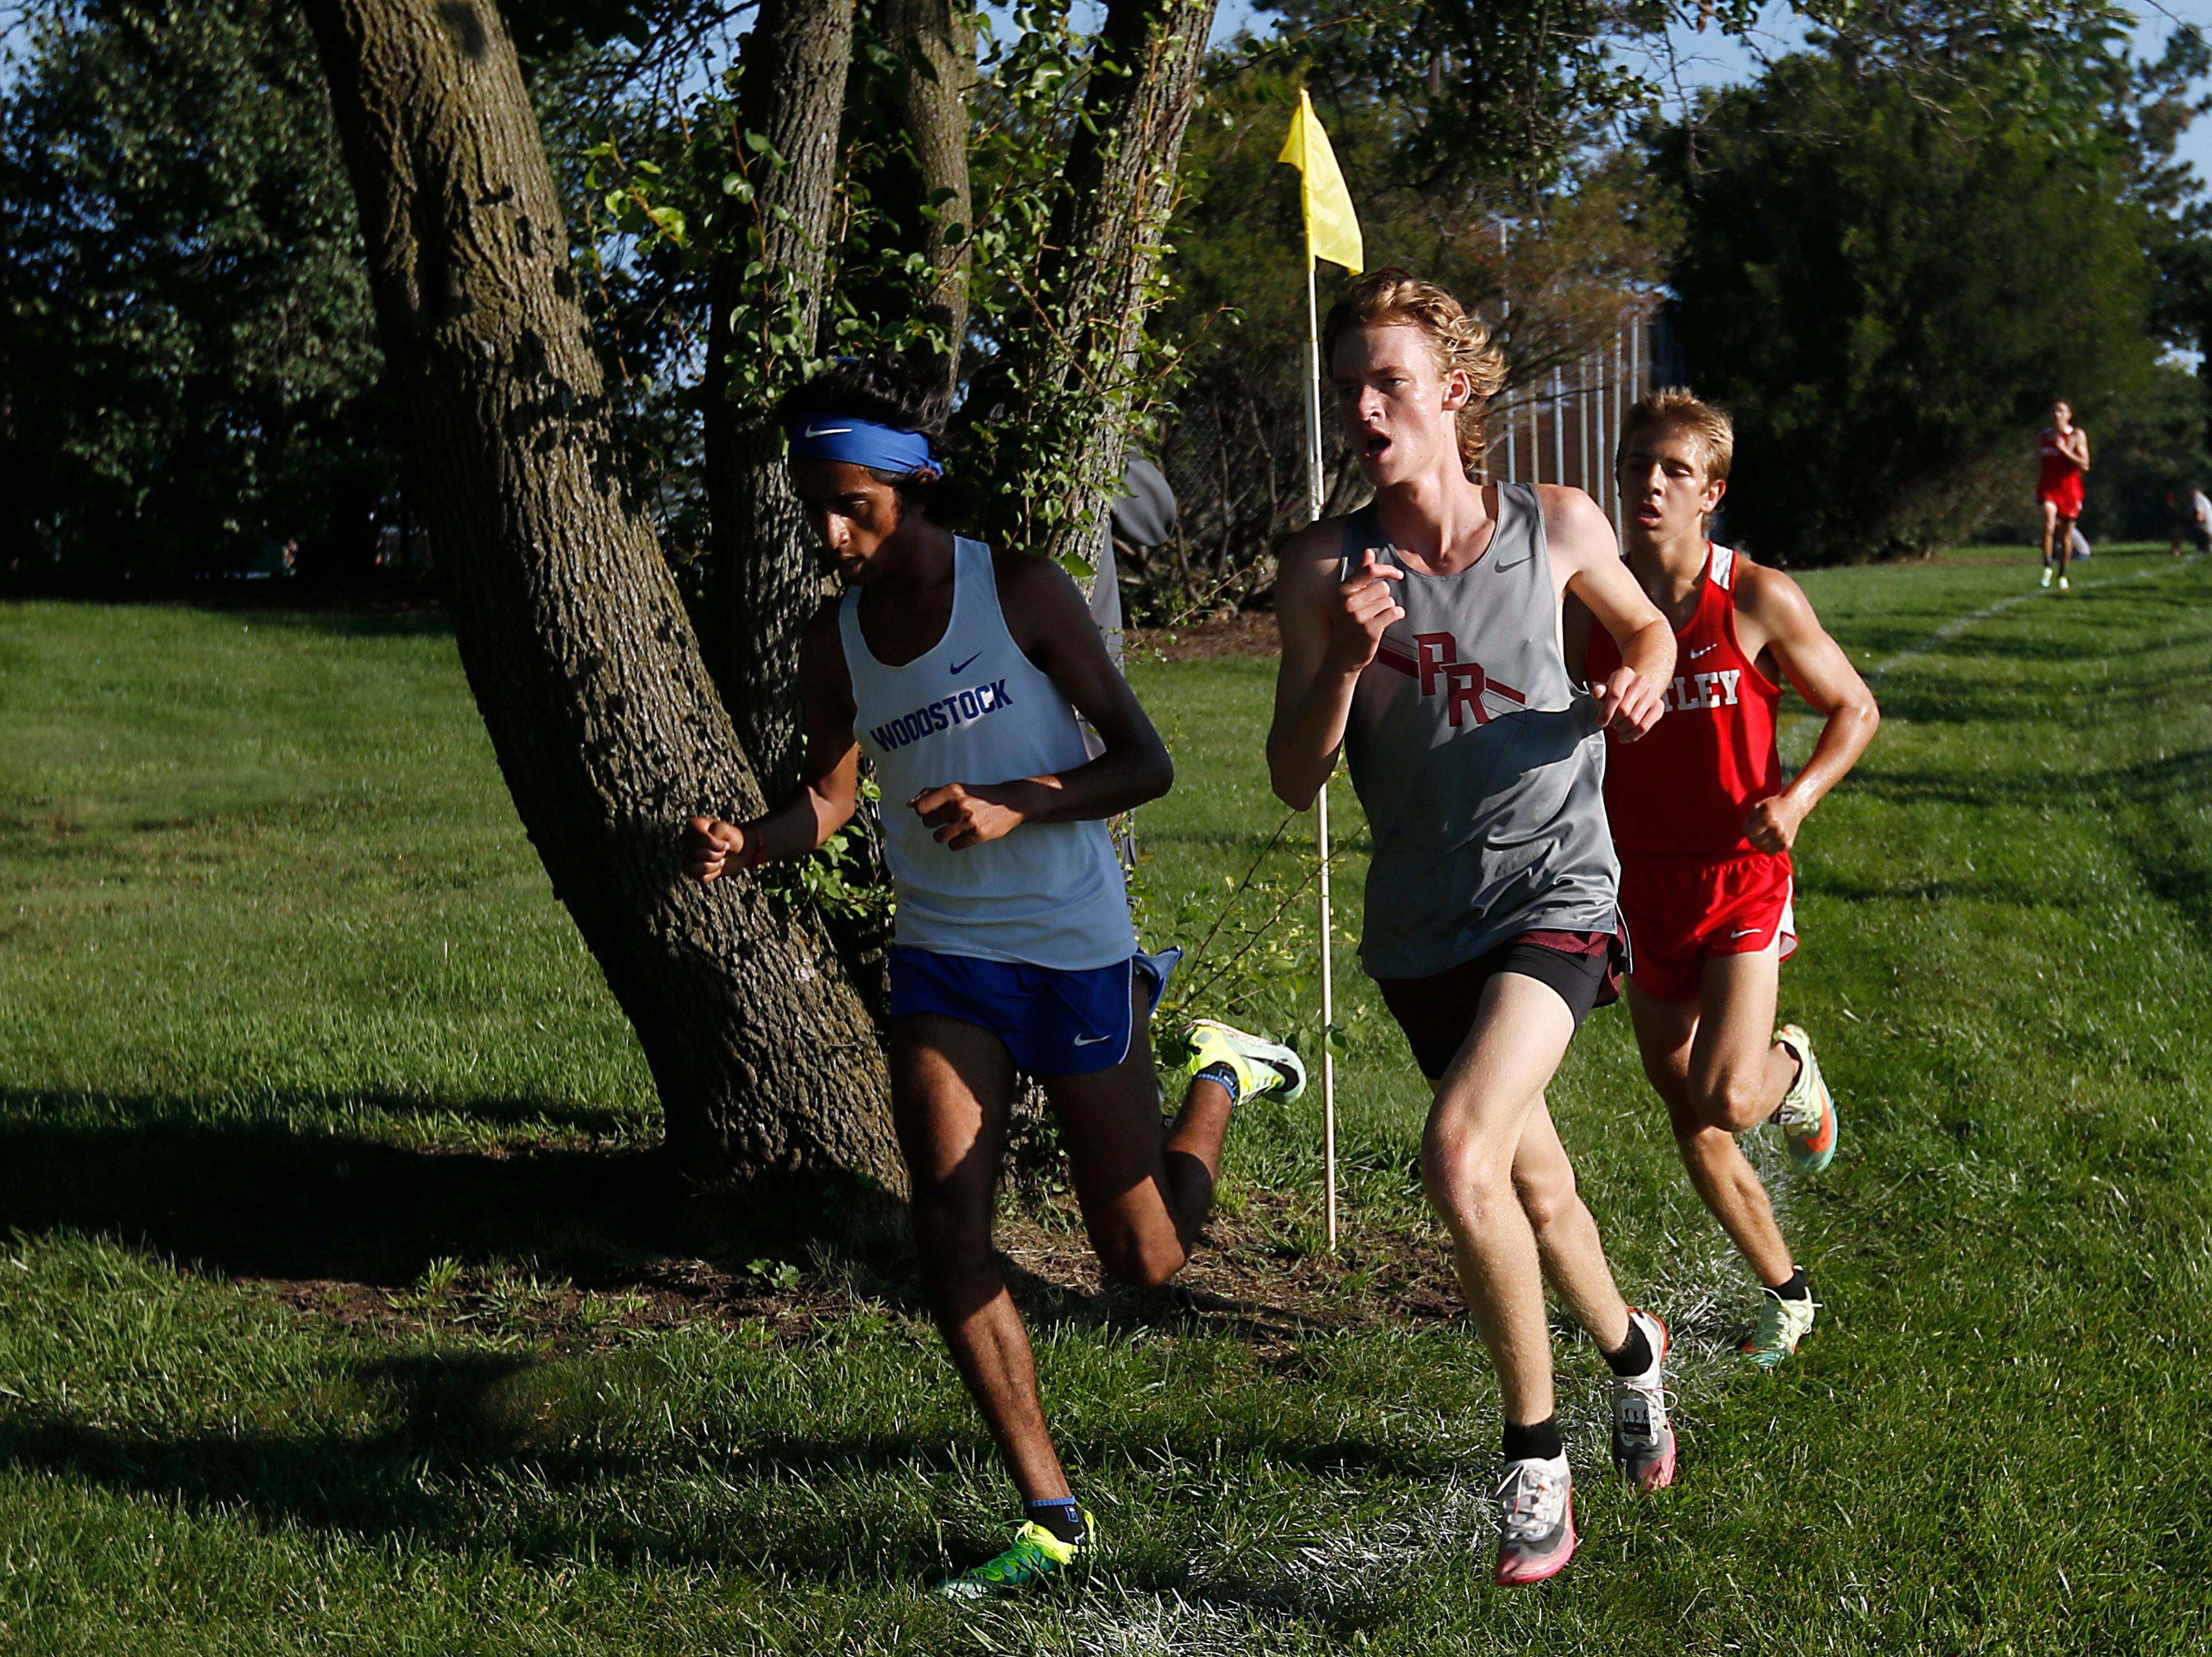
(187, 356)
(1550, 268)
(1887, 281)
(1506, 91)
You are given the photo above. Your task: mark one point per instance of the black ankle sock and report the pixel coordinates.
(1799, 1288)
(1060, 1515)
(1538, 1441)
(1635, 1354)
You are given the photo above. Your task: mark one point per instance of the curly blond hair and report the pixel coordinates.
(1676, 409)
(1457, 340)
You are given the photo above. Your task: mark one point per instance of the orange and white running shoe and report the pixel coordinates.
(1807, 1116)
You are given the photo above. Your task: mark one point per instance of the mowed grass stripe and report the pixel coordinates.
(1992, 1443)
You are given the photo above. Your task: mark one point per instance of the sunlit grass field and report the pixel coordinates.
(263, 902)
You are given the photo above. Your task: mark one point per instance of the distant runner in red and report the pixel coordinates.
(2061, 456)
(1703, 821)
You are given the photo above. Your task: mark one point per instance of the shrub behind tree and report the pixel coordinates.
(1887, 280)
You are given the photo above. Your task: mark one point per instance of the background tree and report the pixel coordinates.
(1526, 207)
(605, 723)
(602, 715)
(188, 366)
(1887, 280)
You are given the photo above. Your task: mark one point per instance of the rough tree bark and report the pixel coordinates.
(1080, 347)
(602, 715)
(790, 93)
(935, 43)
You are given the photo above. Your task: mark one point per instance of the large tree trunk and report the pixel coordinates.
(790, 93)
(601, 709)
(1076, 362)
(935, 41)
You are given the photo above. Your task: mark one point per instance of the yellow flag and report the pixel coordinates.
(1332, 228)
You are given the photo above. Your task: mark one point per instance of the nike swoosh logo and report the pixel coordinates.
(829, 431)
(1090, 1040)
(1747, 932)
(956, 666)
(1707, 651)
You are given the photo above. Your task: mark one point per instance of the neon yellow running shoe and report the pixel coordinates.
(1782, 1324)
(1260, 1066)
(1036, 1553)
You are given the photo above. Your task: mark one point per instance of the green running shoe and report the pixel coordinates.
(1782, 1324)
(1807, 1112)
(1261, 1067)
(1036, 1553)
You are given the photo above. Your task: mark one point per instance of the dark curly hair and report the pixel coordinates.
(887, 394)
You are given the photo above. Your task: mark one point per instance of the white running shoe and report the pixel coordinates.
(1782, 1324)
(2063, 583)
(1535, 1520)
(1643, 1437)
(2047, 573)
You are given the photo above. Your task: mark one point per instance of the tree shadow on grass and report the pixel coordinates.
(258, 1199)
(478, 1452)
(320, 1212)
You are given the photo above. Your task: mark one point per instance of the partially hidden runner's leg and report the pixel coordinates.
(2049, 531)
(1567, 1242)
(1717, 1066)
(1143, 1200)
(1667, 1032)
(1574, 1263)
(2063, 538)
(951, 1085)
(1145, 1197)
(1739, 1073)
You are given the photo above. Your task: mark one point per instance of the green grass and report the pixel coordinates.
(262, 898)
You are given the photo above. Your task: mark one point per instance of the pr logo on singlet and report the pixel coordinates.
(1695, 690)
(1437, 665)
(944, 714)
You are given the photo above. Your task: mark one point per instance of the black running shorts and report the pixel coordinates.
(1437, 1012)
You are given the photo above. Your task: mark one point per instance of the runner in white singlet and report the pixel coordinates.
(961, 672)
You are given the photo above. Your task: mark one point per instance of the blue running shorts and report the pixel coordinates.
(1055, 1023)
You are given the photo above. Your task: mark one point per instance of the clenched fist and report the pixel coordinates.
(1628, 704)
(711, 847)
(1365, 606)
(965, 816)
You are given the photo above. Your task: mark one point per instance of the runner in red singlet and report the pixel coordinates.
(2061, 456)
(1703, 821)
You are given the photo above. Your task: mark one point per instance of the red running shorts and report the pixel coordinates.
(2065, 495)
(1682, 912)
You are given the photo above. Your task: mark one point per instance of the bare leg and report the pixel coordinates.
(1738, 1071)
(1143, 1201)
(1670, 1034)
(1484, 1107)
(951, 1085)
(1566, 1237)
(2063, 538)
(2050, 526)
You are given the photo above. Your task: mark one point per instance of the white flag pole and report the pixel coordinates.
(1321, 800)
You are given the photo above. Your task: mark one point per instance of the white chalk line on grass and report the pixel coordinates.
(1700, 1292)
(1952, 629)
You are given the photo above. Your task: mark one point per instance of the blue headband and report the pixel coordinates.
(862, 442)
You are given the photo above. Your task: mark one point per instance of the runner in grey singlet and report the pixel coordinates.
(1479, 763)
